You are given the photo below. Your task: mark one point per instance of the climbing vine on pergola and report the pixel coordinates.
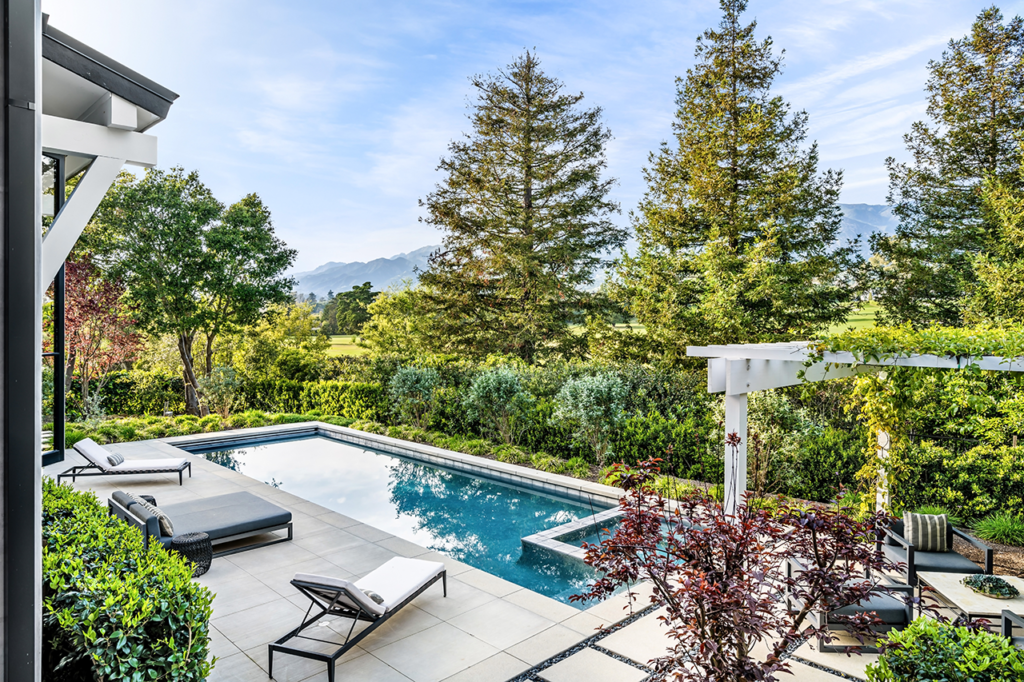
(740, 369)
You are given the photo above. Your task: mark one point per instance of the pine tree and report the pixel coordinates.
(997, 294)
(975, 111)
(524, 210)
(736, 230)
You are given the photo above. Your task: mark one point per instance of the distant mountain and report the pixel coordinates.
(382, 272)
(863, 220)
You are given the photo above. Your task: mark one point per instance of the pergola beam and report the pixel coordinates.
(737, 370)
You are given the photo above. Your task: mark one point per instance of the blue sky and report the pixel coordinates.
(337, 113)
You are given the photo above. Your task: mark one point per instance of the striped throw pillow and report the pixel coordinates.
(926, 532)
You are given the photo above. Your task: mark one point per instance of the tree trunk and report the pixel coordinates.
(189, 373)
(209, 353)
(69, 370)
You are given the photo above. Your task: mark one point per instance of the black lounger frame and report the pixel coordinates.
(121, 512)
(336, 608)
(80, 471)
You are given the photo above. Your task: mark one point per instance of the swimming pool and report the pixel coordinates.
(473, 519)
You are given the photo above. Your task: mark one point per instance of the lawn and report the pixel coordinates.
(859, 319)
(344, 344)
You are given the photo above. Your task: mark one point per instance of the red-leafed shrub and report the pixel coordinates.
(723, 578)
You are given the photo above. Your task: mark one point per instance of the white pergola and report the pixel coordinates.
(739, 369)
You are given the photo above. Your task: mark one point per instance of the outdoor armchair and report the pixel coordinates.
(102, 462)
(894, 611)
(897, 548)
(394, 585)
(1011, 620)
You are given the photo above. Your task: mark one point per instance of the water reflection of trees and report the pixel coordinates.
(481, 522)
(226, 458)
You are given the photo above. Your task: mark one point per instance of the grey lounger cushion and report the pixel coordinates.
(937, 562)
(222, 516)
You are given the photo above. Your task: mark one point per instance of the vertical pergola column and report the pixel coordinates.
(735, 455)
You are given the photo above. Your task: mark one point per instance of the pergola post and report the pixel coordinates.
(735, 455)
(882, 497)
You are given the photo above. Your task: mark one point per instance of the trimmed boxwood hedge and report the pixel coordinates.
(112, 610)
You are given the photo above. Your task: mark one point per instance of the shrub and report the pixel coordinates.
(412, 391)
(826, 462)
(219, 390)
(684, 447)
(929, 650)
(936, 511)
(1001, 527)
(594, 406)
(973, 484)
(497, 399)
(721, 585)
(112, 610)
(138, 392)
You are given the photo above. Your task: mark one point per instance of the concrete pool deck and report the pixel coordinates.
(486, 630)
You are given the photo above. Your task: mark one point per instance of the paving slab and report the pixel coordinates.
(501, 624)
(546, 644)
(435, 654)
(854, 665)
(592, 666)
(805, 673)
(497, 668)
(642, 640)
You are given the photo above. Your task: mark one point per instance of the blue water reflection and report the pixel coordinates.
(474, 520)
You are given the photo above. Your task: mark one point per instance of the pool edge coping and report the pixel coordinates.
(501, 472)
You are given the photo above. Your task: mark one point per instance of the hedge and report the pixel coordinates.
(354, 400)
(111, 609)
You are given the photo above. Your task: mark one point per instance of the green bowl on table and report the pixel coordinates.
(991, 586)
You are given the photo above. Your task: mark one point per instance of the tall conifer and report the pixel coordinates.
(736, 229)
(976, 113)
(524, 209)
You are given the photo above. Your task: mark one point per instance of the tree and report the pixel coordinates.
(736, 230)
(187, 270)
(723, 578)
(286, 343)
(399, 322)
(524, 210)
(976, 113)
(997, 294)
(595, 407)
(346, 313)
(101, 334)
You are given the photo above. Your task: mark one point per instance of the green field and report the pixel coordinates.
(859, 319)
(344, 344)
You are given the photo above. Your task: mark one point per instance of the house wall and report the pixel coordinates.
(21, 343)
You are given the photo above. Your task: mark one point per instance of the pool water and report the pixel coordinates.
(474, 520)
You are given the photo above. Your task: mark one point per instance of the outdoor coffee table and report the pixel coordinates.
(969, 602)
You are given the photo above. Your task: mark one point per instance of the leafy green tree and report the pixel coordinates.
(189, 267)
(737, 228)
(287, 343)
(997, 294)
(594, 406)
(399, 323)
(976, 113)
(524, 209)
(347, 312)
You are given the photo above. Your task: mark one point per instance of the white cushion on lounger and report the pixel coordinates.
(354, 599)
(148, 465)
(94, 452)
(399, 578)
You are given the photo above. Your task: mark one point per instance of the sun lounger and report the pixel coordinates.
(396, 583)
(225, 518)
(100, 464)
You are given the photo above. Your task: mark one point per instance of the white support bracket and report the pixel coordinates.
(75, 215)
(77, 138)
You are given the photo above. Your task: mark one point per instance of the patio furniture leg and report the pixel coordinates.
(330, 671)
(270, 666)
(444, 582)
